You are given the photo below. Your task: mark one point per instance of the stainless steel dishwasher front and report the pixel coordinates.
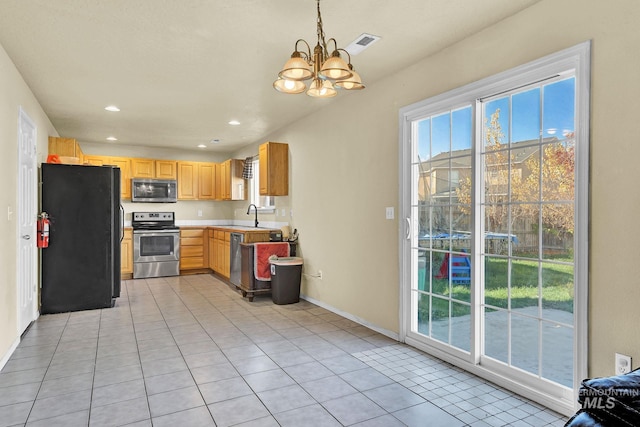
(236, 258)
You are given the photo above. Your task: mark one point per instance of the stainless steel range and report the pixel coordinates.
(156, 244)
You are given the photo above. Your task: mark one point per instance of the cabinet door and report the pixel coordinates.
(263, 154)
(143, 168)
(95, 160)
(126, 253)
(237, 187)
(206, 181)
(274, 169)
(212, 259)
(124, 163)
(225, 177)
(64, 146)
(217, 194)
(166, 169)
(187, 180)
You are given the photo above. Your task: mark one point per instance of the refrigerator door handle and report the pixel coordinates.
(121, 223)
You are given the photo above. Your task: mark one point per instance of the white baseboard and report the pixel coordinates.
(9, 352)
(385, 332)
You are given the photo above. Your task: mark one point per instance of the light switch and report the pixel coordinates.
(390, 213)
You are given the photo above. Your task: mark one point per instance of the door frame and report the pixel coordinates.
(23, 118)
(578, 59)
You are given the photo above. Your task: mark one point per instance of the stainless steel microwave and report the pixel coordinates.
(154, 190)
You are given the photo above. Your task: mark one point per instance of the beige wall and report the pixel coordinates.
(344, 166)
(14, 94)
(344, 169)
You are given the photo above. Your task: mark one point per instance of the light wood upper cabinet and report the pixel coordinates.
(151, 168)
(217, 193)
(124, 163)
(188, 180)
(232, 185)
(166, 169)
(95, 160)
(274, 169)
(206, 181)
(143, 168)
(67, 147)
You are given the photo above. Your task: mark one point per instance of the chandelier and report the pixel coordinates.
(325, 71)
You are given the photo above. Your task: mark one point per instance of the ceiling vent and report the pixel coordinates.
(363, 41)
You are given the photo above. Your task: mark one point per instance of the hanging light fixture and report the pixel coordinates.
(326, 71)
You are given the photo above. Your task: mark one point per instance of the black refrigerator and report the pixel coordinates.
(81, 266)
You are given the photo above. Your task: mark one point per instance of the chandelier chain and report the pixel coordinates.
(321, 33)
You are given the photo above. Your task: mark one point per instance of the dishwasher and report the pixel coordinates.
(236, 258)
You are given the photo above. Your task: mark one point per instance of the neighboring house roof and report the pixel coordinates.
(461, 159)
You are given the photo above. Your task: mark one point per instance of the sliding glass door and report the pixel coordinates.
(495, 256)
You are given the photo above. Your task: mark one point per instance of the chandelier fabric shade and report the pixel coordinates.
(326, 72)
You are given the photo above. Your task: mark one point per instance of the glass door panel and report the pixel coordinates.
(442, 197)
(527, 204)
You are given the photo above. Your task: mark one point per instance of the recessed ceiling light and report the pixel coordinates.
(202, 146)
(112, 108)
(112, 138)
(234, 123)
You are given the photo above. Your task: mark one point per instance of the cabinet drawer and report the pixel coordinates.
(191, 262)
(191, 241)
(256, 237)
(192, 233)
(191, 251)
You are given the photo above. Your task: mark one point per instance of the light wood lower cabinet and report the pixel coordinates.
(220, 247)
(126, 253)
(220, 259)
(194, 254)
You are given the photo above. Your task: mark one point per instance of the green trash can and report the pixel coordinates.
(286, 274)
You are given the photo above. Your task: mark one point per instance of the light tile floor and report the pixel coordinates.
(189, 351)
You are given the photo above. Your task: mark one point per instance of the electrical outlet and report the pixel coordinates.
(623, 364)
(199, 212)
(320, 274)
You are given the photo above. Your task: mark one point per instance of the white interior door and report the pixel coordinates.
(27, 213)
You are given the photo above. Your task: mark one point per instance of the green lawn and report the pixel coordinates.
(557, 288)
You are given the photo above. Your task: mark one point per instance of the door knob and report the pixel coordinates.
(26, 237)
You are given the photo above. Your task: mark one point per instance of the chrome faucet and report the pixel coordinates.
(255, 208)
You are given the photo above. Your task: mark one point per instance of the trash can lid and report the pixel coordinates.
(289, 260)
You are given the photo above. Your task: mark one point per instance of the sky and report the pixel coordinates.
(548, 110)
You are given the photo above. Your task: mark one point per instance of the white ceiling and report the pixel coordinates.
(181, 70)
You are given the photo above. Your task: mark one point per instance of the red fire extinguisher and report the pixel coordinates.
(43, 224)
